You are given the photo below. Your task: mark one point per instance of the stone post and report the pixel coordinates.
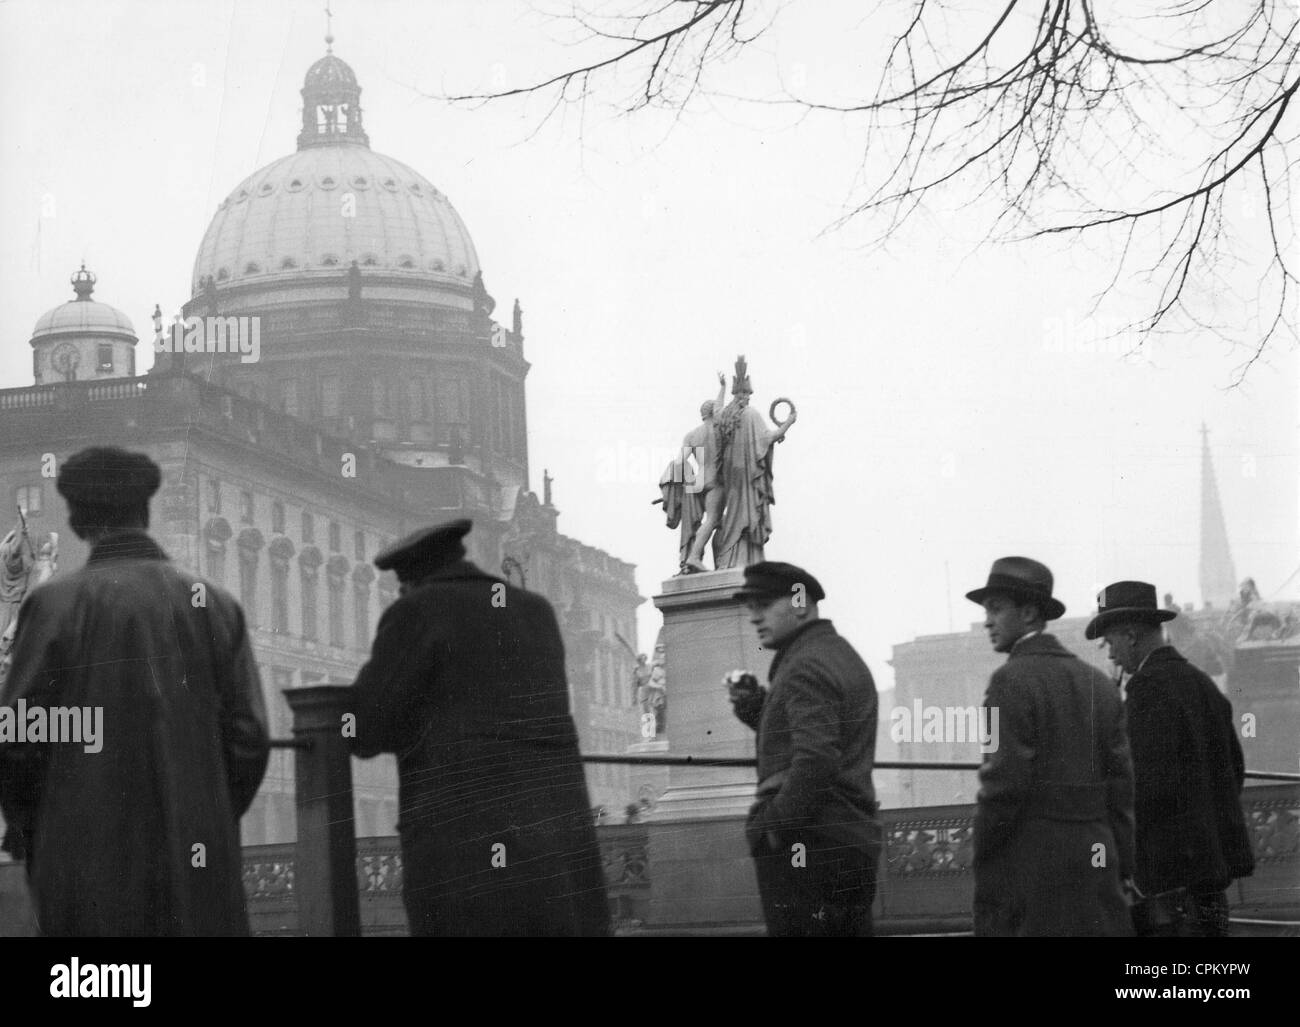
(325, 866)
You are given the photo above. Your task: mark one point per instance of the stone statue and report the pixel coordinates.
(746, 470)
(22, 568)
(720, 487)
(652, 692)
(354, 281)
(689, 489)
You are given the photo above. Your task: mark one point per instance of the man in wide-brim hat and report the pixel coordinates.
(1188, 767)
(1054, 815)
(135, 831)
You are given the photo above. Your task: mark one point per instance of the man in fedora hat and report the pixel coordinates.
(1188, 767)
(1053, 833)
(466, 685)
(134, 831)
(812, 831)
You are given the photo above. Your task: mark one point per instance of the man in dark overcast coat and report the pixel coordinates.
(139, 836)
(812, 831)
(1053, 838)
(1188, 767)
(466, 685)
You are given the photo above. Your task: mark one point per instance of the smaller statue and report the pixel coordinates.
(354, 281)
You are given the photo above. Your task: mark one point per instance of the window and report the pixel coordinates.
(105, 361)
(280, 596)
(214, 496)
(359, 545)
(331, 399)
(336, 611)
(130, 362)
(308, 528)
(382, 397)
(277, 517)
(217, 563)
(248, 587)
(361, 595)
(29, 498)
(246, 507)
(289, 396)
(416, 395)
(336, 537)
(309, 590)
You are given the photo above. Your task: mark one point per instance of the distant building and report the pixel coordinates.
(383, 397)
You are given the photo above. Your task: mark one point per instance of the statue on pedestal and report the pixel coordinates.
(720, 487)
(22, 568)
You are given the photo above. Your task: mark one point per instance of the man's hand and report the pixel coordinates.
(722, 379)
(742, 687)
(1132, 894)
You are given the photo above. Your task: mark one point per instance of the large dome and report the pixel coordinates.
(333, 202)
(289, 217)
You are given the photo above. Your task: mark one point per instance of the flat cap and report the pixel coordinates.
(772, 580)
(108, 477)
(425, 550)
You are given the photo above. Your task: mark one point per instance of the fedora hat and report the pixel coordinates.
(1021, 578)
(1126, 601)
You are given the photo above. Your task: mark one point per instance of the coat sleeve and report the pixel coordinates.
(244, 732)
(749, 709)
(1007, 773)
(392, 687)
(1119, 792)
(812, 704)
(1156, 732)
(34, 676)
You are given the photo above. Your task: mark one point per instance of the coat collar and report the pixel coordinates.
(126, 545)
(1165, 654)
(807, 633)
(1040, 645)
(457, 570)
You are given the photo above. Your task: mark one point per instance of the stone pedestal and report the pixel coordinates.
(701, 872)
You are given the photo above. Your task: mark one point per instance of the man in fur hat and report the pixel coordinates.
(128, 814)
(1054, 816)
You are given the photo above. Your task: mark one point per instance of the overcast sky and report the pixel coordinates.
(953, 404)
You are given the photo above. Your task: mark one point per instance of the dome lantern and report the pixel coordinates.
(331, 104)
(83, 282)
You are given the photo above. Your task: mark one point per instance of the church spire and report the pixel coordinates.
(1218, 576)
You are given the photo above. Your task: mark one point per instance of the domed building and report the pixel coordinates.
(82, 339)
(384, 397)
(374, 318)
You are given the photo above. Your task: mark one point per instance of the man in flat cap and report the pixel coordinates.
(1053, 836)
(133, 828)
(1188, 770)
(466, 685)
(812, 831)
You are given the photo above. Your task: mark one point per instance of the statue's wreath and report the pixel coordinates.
(771, 411)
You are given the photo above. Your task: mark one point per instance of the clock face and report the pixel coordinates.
(65, 359)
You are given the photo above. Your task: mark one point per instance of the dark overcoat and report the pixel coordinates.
(1188, 771)
(111, 836)
(466, 685)
(816, 745)
(1054, 815)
